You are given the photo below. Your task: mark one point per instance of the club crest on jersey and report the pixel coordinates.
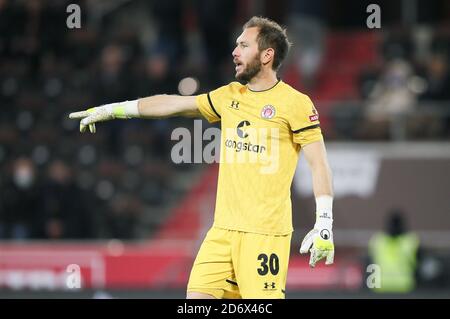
(268, 112)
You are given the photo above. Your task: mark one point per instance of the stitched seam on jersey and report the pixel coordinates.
(212, 106)
(306, 128)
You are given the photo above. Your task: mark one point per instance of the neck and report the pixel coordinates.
(264, 80)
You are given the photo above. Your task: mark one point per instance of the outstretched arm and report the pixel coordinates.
(162, 106)
(152, 107)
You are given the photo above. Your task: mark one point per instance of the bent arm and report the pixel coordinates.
(316, 156)
(163, 106)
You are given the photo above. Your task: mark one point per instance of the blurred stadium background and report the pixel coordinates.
(116, 205)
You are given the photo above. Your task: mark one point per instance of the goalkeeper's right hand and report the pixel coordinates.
(121, 110)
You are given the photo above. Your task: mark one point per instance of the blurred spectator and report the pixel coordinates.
(111, 82)
(156, 76)
(215, 20)
(21, 201)
(436, 92)
(368, 79)
(171, 35)
(307, 32)
(396, 252)
(51, 77)
(6, 27)
(437, 76)
(123, 216)
(390, 100)
(65, 215)
(398, 44)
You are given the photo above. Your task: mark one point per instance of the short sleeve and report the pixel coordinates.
(209, 106)
(304, 121)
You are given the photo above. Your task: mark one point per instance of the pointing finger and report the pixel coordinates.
(78, 115)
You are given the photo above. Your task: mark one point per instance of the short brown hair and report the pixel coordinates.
(271, 35)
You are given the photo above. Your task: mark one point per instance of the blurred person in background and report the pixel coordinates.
(171, 34)
(436, 74)
(111, 76)
(123, 216)
(396, 251)
(156, 76)
(6, 34)
(21, 201)
(390, 100)
(215, 20)
(65, 213)
(308, 32)
(112, 82)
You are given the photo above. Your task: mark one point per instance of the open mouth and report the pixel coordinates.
(238, 65)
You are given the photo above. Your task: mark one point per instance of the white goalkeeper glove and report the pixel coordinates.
(121, 110)
(319, 241)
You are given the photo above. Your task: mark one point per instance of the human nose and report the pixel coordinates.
(235, 52)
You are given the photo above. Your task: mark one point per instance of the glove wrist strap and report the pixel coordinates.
(125, 110)
(324, 212)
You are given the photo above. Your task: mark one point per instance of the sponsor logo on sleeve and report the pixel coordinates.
(315, 116)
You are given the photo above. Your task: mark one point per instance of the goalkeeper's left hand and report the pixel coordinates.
(319, 241)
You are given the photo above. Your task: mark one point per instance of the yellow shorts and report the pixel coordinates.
(235, 264)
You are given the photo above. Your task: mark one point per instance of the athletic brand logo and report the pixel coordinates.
(268, 285)
(325, 234)
(241, 129)
(234, 105)
(324, 215)
(268, 111)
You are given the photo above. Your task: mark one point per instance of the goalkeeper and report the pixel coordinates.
(245, 254)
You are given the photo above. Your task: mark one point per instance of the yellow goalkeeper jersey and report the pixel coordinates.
(262, 135)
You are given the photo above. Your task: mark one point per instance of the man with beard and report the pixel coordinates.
(246, 252)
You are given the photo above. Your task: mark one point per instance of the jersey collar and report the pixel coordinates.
(279, 80)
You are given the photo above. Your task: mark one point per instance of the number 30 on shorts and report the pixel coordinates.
(268, 263)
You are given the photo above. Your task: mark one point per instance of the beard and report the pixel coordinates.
(252, 69)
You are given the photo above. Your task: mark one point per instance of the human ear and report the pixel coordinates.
(267, 56)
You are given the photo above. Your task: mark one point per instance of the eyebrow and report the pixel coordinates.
(240, 42)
